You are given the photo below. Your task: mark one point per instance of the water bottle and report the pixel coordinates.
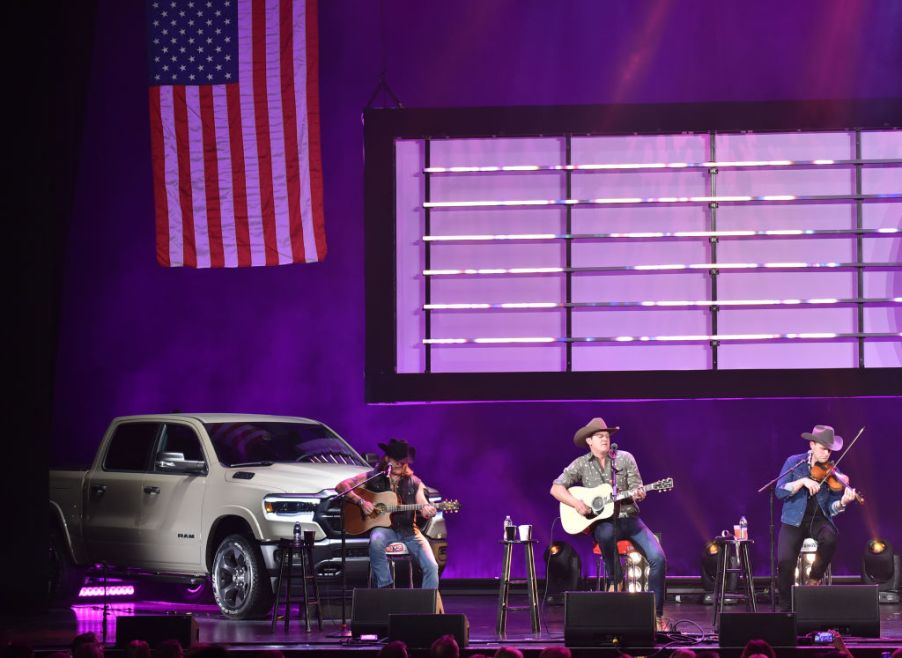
(508, 528)
(297, 534)
(743, 528)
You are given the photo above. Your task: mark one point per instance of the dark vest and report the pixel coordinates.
(407, 492)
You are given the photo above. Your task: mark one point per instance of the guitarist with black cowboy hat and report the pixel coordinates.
(398, 477)
(617, 468)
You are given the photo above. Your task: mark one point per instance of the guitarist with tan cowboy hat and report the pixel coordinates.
(808, 511)
(398, 477)
(602, 465)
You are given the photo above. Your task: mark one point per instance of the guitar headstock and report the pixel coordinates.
(449, 506)
(661, 485)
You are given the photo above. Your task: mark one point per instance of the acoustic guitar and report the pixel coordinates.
(602, 502)
(385, 504)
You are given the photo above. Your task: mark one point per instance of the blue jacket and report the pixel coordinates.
(794, 504)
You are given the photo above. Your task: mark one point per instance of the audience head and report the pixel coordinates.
(758, 648)
(83, 638)
(170, 649)
(508, 652)
(89, 650)
(555, 652)
(394, 649)
(445, 647)
(137, 649)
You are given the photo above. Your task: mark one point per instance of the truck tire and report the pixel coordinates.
(241, 585)
(64, 577)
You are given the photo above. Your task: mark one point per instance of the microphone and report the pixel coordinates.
(387, 470)
(614, 447)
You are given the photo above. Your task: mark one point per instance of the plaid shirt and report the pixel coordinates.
(585, 471)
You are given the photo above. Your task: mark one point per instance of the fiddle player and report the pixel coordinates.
(808, 511)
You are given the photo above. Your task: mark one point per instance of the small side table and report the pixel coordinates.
(744, 571)
(504, 590)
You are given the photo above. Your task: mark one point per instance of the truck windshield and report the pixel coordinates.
(253, 442)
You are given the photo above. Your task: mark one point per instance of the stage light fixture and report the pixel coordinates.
(562, 573)
(883, 567)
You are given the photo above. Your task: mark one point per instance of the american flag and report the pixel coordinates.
(234, 124)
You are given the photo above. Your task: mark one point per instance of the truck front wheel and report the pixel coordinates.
(240, 582)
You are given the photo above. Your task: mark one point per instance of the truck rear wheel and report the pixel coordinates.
(241, 585)
(64, 577)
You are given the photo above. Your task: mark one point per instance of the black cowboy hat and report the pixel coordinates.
(398, 449)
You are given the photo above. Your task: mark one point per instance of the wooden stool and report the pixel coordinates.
(304, 551)
(743, 570)
(532, 590)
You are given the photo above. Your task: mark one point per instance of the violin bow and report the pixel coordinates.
(848, 447)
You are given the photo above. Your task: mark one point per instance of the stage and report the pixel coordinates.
(691, 622)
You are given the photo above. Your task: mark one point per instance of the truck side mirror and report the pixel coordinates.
(371, 458)
(175, 462)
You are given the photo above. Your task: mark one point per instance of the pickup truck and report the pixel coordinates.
(197, 498)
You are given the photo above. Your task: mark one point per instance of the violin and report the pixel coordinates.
(827, 473)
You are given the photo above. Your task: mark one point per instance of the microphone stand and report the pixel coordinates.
(344, 630)
(771, 488)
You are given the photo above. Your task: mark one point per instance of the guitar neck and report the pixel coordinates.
(391, 509)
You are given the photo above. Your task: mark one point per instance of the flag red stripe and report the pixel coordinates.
(289, 112)
(158, 158)
(261, 118)
(211, 177)
(239, 201)
(311, 25)
(180, 114)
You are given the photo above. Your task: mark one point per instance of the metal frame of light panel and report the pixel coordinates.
(384, 127)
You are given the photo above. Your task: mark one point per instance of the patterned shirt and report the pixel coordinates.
(585, 471)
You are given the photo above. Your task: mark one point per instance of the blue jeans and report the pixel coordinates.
(608, 533)
(419, 549)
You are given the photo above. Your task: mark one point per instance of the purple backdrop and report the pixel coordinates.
(139, 338)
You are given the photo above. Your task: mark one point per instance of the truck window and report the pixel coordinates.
(130, 447)
(253, 441)
(181, 438)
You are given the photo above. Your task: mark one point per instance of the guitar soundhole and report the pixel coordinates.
(379, 509)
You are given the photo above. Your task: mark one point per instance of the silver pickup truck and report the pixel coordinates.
(192, 497)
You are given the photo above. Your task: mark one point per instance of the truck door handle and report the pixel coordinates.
(153, 491)
(98, 489)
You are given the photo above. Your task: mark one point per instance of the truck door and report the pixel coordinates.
(112, 499)
(171, 524)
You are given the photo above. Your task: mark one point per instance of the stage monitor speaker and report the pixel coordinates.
(850, 609)
(370, 608)
(154, 629)
(777, 628)
(422, 630)
(599, 618)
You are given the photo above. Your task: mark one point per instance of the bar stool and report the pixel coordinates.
(633, 565)
(504, 590)
(396, 552)
(304, 551)
(743, 571)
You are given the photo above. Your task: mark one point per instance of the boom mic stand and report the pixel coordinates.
(771, 488)
(344, 630)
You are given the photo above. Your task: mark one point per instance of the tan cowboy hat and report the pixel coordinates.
(824, 435)
(594, 425)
